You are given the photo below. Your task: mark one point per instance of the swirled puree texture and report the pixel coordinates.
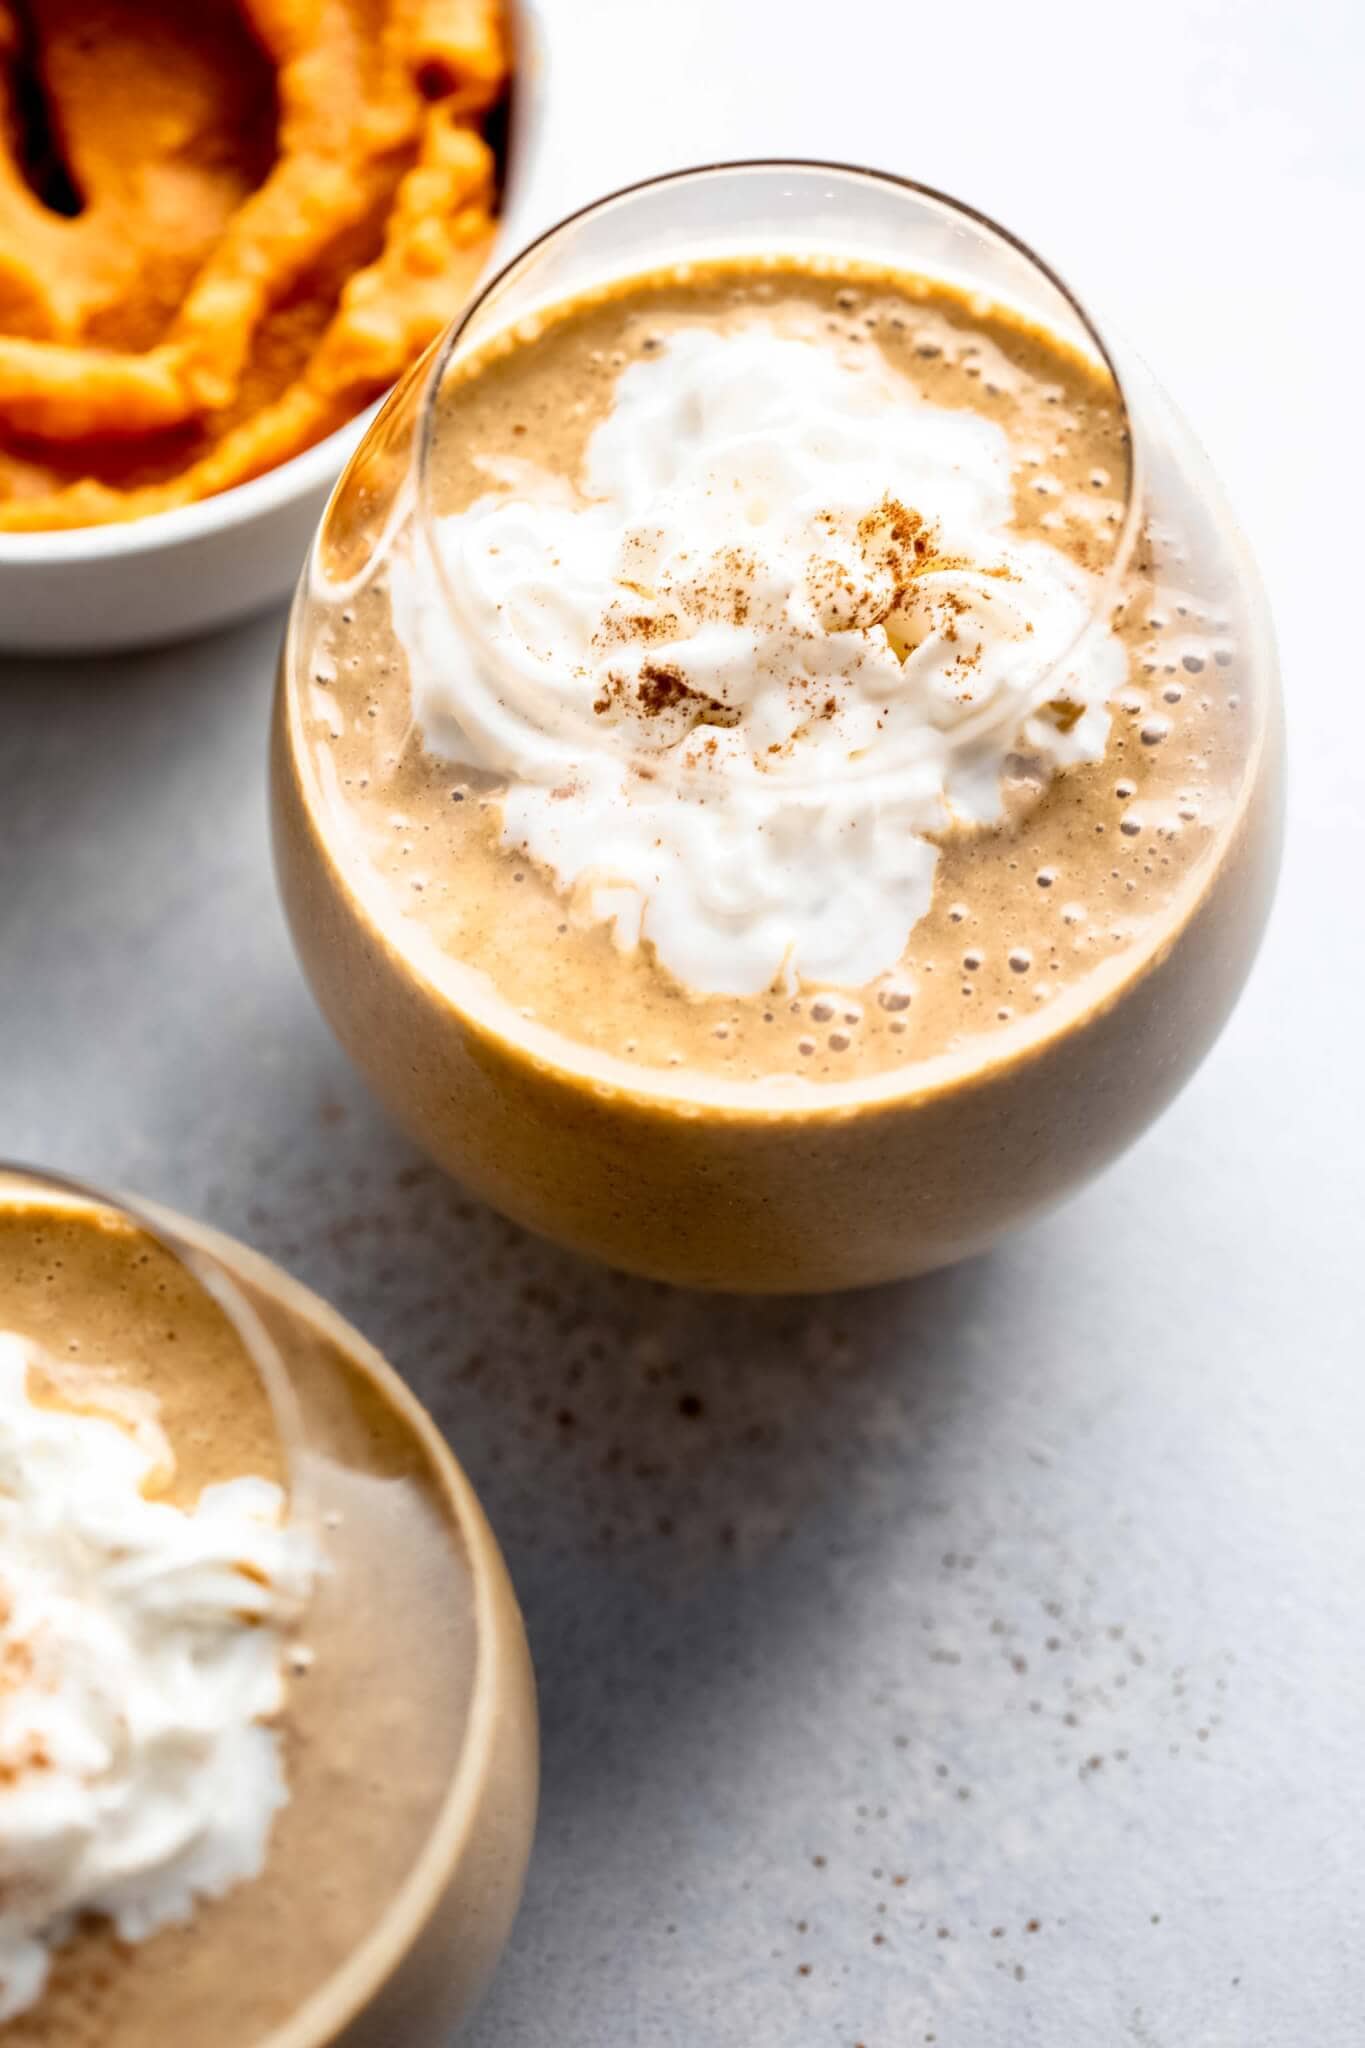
(754, 704)
(203, 1807)
(225, 227)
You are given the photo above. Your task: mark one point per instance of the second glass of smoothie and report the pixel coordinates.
(267, 1721)
(777, 768)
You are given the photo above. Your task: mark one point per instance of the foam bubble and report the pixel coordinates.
(785, 573)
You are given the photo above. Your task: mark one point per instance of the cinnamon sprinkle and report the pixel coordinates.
(662, 689)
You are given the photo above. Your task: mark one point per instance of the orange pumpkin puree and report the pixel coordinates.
(225, 227)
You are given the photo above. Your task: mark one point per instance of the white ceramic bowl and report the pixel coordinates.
(96, 589)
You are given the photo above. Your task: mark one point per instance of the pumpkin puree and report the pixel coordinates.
(225, 227)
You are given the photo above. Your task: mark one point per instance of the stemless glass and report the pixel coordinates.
(691, 1177)
(421, 1960)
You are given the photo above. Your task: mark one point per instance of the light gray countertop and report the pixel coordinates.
(978, 1662)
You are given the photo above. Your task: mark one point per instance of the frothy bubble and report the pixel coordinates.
(738, 681)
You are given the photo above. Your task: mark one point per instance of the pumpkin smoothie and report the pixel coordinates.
(292, 1694)
(773, 814)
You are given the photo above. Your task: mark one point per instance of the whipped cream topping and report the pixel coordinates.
(778, 631)
(140, 1661)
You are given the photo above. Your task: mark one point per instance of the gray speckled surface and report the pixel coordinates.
(978, 1661)
(1029, 1594)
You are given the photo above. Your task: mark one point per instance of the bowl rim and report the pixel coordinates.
(499, 1636)
(312, 469)
(316, 468)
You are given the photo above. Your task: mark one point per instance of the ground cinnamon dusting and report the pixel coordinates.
(661, 689)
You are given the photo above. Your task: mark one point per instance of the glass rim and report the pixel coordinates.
(463, 1825)
(212, 1277)
(1108, 581)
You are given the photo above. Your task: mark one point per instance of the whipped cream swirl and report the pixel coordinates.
(778, 632)
(140, 1662)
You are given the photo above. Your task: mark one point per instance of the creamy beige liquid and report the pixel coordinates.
(1083, 866)
(372, 1728)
